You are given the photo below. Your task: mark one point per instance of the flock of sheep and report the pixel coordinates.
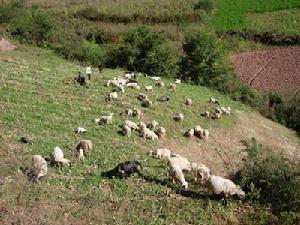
(178, 166)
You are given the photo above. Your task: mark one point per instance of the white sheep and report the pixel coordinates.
(105, 119)
(147, 133)
(57, 157)
(129, 75)
(161, 132)
(84, 148)
(189, 133)
(160, 84)
(80, 130)
(176, 174)
(152, 125)
(133, 85)
(131, 125)
(146, 103)
(172, 87)
(188, 101)
(198, 131)
(179, 117)
(39, 166)
(218, 110)
(205, 134)
(226, 110)
(219, 185)
(177, 81)
(217, 116)
(148, 88)
(155, 78)
(206, 114)
(213, 101)
(200, 171)
(160, 153)
(113, 96)
(137, 112)
(183, 163)
(126, 130)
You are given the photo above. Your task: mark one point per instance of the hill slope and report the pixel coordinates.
(37, 100)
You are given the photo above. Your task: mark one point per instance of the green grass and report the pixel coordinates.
(36, 102)
(230, 15)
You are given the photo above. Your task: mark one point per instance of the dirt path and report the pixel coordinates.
(223, 152)
(6, 46)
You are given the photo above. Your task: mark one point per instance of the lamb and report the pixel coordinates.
(189, 133)
(126, 130)
(205, 134)
(160, 84)
(39, 167)
(198, 131)
(84, 147)
(160, 153)
(172, 87)
(206, 114)
(105, 119)
(57, 157)
(80, 130)
(177, 81)
(142, 97)
(179, 117)
(131, 125)
(137, 112)
(155, 78)
(200, 171)
(161, 132)
(214, 101)
(146, 103)
(125, 169)
(133, 85)
(152, 125)
(219, 185)
(148, 88)
(177, 175)
(188, 101)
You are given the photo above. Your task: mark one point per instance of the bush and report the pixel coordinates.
(270, 179)
(145, 51)
(11, 10)
(32, 26)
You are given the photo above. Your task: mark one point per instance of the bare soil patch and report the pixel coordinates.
(6, 46)
(269, 70)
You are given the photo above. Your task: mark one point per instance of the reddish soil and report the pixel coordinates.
(269, 70)
(6, 46)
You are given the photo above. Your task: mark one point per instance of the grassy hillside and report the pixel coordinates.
(37, 101)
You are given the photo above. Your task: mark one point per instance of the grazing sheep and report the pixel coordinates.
(189, 133)
(218, 110)
(188, 101)
(129, 75)
(131, 125)
(146, 103)
(225, 110)
(163, 98)
(219, 185)
(216, 116)
(160, 153)
(128, 112)
(172, 87)
(113, 96)
(80, 130)
(160, 84)
(137, 112)
(152, 125)
(133, 85)
(206, 114)
(179, 117)
(105, 119)
(205, 134)
(39, 167)
(84, 147)
(146, 133)
(177, 175)
(200, 171)
(126, 130)
(177, 81)
(198, 131)
(148, 88)
(214, 101)
(57, 157)
(155, 78)
(142, 97)
(183, 163)
(161, 132)
(125, 169)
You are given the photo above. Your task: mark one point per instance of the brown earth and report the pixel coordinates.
(269, 70)
(6, 46)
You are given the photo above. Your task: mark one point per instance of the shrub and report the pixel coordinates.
(9, 11)
(271, 179)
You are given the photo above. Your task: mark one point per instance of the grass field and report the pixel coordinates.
(230, 15)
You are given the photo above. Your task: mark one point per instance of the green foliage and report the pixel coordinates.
(32, 26)
(271, 179)
(10, 10)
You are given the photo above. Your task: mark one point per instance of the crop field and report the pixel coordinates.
(231, 15)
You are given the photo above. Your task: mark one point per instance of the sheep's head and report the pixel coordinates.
(185, 184)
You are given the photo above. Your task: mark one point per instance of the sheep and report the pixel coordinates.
(133, 85)
(126, 130)
(183, 163)
(128, 112)
(57, 157)
(152, 125)
(129, 75)
(160, 153)
(205, 134)
(142, 97)
(125, 169)
(148, 88)
(105, 119)
(188, 101)
(200, 171)
(118, 83)
(198, 131)
(160, 84)
(226, 110)
(146, 103)
(131, 125)
(39, 167)
(137, 112)
(113, 96)
(80, 130)
(206, 114)
(217, 116)
(163, 98)
(177, 175)
(179, 117)
(214, 101)
(172, 87)
(146, 133)
(155, 78)
(177, 81)
(218, 110)
(161, 132)
(84, 147)
(189, 133)
(219, 185)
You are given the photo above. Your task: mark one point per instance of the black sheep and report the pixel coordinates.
(125, 169)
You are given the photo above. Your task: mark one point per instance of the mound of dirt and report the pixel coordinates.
(269, 70)
(6, 46)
